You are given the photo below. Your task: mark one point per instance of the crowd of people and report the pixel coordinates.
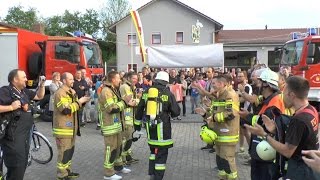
(268, 110)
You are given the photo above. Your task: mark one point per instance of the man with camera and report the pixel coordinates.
(15, 106)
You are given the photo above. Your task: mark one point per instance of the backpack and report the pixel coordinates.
(6, 117)
(282, 122)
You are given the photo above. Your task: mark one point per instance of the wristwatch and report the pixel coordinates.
(265, 137)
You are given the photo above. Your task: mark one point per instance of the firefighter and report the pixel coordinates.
(158, 104)
(65, 125)
(224, 120)
(128, 89)
(112, 106)
(271, 103)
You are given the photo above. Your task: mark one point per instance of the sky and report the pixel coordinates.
(233, 14)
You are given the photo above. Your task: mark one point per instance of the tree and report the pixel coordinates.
(90, 22)
(87, 22)
(24, 19)
(113, 11)
(53, 26)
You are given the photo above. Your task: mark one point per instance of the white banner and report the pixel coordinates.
(184, 56)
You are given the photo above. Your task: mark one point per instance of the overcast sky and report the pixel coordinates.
(233, 14)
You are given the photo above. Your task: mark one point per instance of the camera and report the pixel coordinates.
(42, 78)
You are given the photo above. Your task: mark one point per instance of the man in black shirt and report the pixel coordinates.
(302, 130)
(15, 105)
(81, 87)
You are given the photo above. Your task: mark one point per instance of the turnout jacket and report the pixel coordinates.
(126, 89)
(224, 116)
(111, 106)
(159, 134)
(66, 105)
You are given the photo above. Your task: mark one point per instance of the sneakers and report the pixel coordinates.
(98, 127)
(179, 118)
(114, 177)
(125, 170)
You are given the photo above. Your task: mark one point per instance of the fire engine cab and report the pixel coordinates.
(302, 54)
(38, 54)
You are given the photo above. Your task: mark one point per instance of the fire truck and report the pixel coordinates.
(302, 54)
(38, 54)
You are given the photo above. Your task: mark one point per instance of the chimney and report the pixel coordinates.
(39, 28)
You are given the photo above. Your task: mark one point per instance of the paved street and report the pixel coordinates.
(185, 162)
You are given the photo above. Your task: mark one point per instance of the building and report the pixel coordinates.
(242, 48)
(171, 22)
(165, 22)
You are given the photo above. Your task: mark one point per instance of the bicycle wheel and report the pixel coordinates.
(40, 148)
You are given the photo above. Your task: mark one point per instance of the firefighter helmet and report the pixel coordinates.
(162, 75)
(207, 135)
(271, 78)
(265, 151)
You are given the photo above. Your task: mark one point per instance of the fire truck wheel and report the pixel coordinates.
(35, 64)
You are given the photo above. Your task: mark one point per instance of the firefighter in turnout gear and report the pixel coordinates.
(158, 104)
(128, 89)
(65, 125)
(224, 119)
(272, 104)
(112, 125)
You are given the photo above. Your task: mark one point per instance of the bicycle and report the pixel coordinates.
(40, 148)
(38, 142)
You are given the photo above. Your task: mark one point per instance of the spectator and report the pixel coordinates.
(15, 102)
(301, 133)
(54, 86)
(184, 93)
(80, 86)
(195, 97)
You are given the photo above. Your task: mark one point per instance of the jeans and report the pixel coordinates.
(184, 105)
(194, 102)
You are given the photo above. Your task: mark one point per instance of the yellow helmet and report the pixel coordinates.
(207, 135)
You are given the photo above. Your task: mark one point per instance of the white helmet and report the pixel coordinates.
(265, 151)
(162, 75)
(270, 77)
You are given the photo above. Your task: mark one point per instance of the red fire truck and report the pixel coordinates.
(38, 54)
(302, 54)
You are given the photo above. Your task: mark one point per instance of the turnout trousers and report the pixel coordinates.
(157, 162)
(127, 143)
(113, 161)
(225, 158)
(65, 148)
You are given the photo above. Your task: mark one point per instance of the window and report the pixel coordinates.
(132, 39)
(179, 37)
(92, 53)
(69, 51)
(133, 67)
(274, 60)
(156, 38)
(292, 53)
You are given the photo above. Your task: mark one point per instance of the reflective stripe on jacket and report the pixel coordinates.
(66, 105)
(224, 111)
(111, 106)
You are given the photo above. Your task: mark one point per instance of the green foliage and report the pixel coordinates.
(91, 21)
(18, 17)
